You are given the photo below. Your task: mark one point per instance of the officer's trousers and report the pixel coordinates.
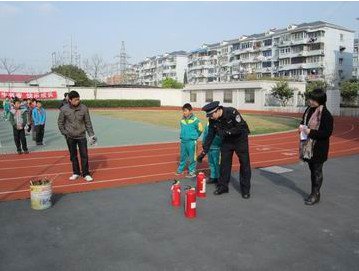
(240, 147)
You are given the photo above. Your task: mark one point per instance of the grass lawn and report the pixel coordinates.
(258, 124)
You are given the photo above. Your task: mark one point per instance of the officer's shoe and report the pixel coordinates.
(312, 199)
(220, 190)
(212, 181)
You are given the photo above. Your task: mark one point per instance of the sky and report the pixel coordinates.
(31, 31)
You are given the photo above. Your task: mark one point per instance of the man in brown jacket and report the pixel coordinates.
(74, 121)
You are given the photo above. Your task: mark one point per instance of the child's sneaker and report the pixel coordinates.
(88, 178)
(191, 175)
(74, 177)
(178, 173)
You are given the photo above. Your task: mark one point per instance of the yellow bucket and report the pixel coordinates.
(41, 196)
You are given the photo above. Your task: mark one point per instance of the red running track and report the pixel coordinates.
(119, 166)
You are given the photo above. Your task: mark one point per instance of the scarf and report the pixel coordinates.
(306, 146)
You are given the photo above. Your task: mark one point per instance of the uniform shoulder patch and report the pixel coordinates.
(238, 118)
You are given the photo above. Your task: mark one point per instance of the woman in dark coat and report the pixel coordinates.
(316, 128)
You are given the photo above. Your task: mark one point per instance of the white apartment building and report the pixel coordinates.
(209, 64)
(355, 60)
(153, 70)
(303, 52)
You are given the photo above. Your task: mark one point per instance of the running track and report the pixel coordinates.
(119, 166)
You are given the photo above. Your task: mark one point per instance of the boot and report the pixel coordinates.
(220, 190)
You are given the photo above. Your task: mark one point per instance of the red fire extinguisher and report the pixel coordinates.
(190, 203)
(201, 185)
(176, 193)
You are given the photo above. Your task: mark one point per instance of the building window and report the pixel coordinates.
(268, 42)
(266, 64)
(249, 96)
(341, 74)
(340, 61)
(192, 97)
(267, 53)
(341, 37)
(227, 96)
(209, 96)
(285, 50)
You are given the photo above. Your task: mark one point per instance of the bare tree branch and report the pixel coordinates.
(96, 68)
(9, 66)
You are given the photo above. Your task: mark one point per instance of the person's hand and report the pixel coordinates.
(200, 157)
(306, 131)
(93, 140)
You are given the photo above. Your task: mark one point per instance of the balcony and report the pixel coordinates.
(264, 70)
(284, 43)
(315, 40)
(299, 41)
(313, 53)
(236, 52)
(291, 67)
(301, 66)
(315, 65)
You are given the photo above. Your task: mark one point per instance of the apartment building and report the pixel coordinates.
(153, 70)
(355, 60)
(210, 63)
(307, 51)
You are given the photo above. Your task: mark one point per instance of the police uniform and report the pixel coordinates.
(233, 130)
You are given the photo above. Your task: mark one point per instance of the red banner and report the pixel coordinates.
(48, 95)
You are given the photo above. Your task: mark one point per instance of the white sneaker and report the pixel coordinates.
(88, 178)
(74, 177)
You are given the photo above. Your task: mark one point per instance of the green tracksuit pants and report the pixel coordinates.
(213, 162)
(188, 153)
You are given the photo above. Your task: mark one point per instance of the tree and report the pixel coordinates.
(282, 92)
(311, 85)
(171, 83)
(9, 66)
(75, 73)
(349, 91)
(95, 67)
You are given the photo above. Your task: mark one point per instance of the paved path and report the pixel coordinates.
(135, 228)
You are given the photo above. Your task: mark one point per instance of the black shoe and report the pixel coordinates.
(19, 152)
(212, 181)
(220, 190)
(26, 152)
(246, 195)
(312, 199)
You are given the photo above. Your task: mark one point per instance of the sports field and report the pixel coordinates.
(258, 124)
(132, 127)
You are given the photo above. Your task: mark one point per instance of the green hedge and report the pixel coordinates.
(105, 103)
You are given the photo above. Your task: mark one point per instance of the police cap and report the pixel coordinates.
(210, 108)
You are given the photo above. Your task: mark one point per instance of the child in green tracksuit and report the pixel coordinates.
(213, 156)
(191, 130)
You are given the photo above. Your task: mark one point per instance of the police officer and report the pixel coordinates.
(228, 124)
